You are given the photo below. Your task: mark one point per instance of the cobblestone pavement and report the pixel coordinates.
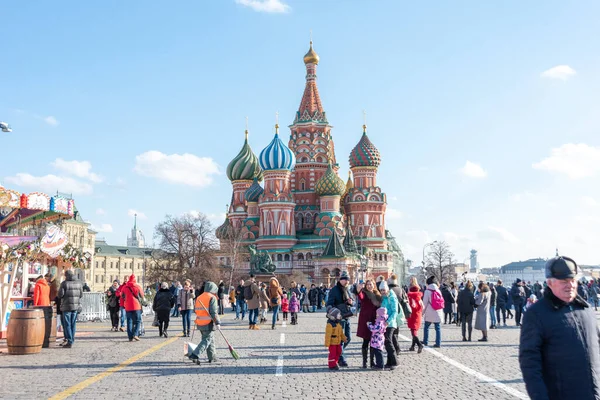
(458, 370)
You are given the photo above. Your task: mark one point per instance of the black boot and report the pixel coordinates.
(412, 348)
(371, 358)
(364, 356)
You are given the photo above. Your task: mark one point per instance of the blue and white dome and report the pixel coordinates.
(276, 155)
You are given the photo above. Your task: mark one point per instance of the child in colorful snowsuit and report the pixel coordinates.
(285, 306)
(294, 308)
(334, 337)
(378, 336)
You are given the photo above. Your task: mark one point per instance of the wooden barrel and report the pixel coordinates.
(49, 326)
(25, 332)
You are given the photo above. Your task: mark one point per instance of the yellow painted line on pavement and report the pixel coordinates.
(82, 385)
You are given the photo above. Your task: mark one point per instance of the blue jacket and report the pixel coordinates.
(502, 296)
(559, 352)
(391, 305)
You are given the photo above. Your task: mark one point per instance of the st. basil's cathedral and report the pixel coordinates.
(304, 215)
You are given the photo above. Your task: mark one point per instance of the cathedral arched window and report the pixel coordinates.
(286, 257)
(308, 220)
(279, 257)
(304, 159)
(302, 184)
(301, 257)
(319, 159)
(309, 256)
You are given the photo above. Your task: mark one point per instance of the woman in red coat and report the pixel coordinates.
(414, 321)
(370, 301)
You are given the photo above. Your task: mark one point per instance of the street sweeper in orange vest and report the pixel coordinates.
(207, 320)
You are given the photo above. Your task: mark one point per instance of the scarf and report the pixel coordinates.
(374, 298)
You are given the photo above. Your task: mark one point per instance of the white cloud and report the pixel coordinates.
(589, 201)
(473, 170)
(140, 215)
(562, 72)
(51, 183)
(100, 211)
(105, 228)
(81, 169)
(494, 233)
(185, 169)
(393, 198)
(577, 161)
(392, 213)
(50, 120)
(268, 6)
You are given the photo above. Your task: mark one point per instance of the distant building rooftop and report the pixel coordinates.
(104, 249)
(534, 263)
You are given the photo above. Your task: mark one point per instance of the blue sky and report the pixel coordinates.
(486, 113)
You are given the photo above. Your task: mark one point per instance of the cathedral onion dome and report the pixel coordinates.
(224, 231)
(253, 192)
(330, 184)
(245, 165)
(365, 154)
(311, 57)
(276, 155)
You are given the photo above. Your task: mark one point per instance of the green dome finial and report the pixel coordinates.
(245, 165)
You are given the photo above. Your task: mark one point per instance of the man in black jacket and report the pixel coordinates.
(70, 293)
(162, 304)
(559, 352)
(339, 297)
(517, 293)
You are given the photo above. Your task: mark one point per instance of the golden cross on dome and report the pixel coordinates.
(364, 121)
(276, 121)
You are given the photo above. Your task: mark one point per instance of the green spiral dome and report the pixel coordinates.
(330, 184)
(245, 165)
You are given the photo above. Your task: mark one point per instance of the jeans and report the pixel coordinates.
(314, 308)
(493, 315)
(70, 321)
(133, 323)
(185, 319)
(175, 310)
(240, 308)
(207, 343)
(275, 313)
(518, 313)
(123, 314)
(389, 347)
(253, 316)
(467, 319)
(348, 332)
(500, 308)
(438, 332)
(221, 307)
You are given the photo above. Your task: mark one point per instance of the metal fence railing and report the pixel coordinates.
(93, 307)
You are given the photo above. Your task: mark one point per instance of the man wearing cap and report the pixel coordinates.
(559, 352)
(340, 298)
(517, 293)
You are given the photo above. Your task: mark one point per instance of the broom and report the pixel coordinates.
(234, 353)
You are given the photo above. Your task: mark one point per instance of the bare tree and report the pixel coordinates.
(439, 262)
(234, 248)
(186, 249)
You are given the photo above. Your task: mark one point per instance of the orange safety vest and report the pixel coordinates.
(202, 315)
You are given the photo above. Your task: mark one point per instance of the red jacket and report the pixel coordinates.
(41, 293)
(285, 305)
(119, 293)
(132, 293)
(414, 300)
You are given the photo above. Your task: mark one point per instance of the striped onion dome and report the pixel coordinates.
(330, 184)
(245, 165)
(253, 192)
(276, 155)
(365, 154)
(224, 231)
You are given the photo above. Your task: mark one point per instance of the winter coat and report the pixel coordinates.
(390, 302)
(54, 286)
(501, 296)
(163, 301)
(517, 293)
(285, 304)
(263, 300)
(70, 293)
(111, 297)
(483, 319)
(448, 300)
(429, 314)
(367, 314)
(119, 294)
(559, 352)
(493, 297)
(377, 333)
(221, 291)
(334, 334)
(294, 304)
(254, 302)
(313, 294)
(338, 298)
(232, 296)
(454, 294)
(415, 303)
(185, 299)
(402, 298)
(274, 292)
(41, 293)
(466, 301)
(239, 293)
(133, 294)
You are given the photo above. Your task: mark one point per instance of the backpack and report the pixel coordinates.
(437, 300)
(248, 295)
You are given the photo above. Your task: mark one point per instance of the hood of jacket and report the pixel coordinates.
(131, 279)
(432, 286)
(211, 287)
(42, 282)
(69, 275)
(248, 283)
(273, 282)
(164, 290)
